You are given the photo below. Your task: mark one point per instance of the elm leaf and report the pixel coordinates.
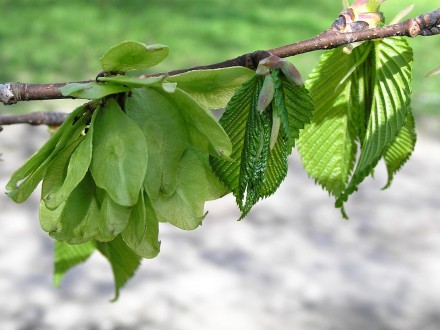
(68, 256)
(123, 260)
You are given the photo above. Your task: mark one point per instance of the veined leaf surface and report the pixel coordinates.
(259, 152)
(327, 146)
(389, 106)
(400, 150)
(68, 256)
(123, 260)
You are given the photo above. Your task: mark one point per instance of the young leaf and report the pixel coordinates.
(68, 256)
(76, 170)
(400, 150)
(234, 123)
(389, 106)
(92, 90)
(327, 146)
(123, 260)
(75, 220)
(119, 156)
(24, 181)
(185, 207)
(212, 88)
(132, 55)
(142, 231)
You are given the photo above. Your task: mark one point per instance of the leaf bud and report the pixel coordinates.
(266, 93)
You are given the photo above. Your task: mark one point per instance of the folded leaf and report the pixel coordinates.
(261, 141)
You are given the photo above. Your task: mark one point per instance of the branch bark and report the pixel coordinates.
(423, 25)
(35, 118)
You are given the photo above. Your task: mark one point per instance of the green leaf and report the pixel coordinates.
(327, 146)
(185, 207)
(201, 122)
(261, 141)
(400, 150)
(166, 136)
(57, 169)
(24, 181)
(92, 90)
(135, 82)
(389, 106)
(74, 221)
(119, 159)
(113, 218)
(68, 256)
(142, 231)
(132, 55)
(123, 260)
(212, 88)
(234, 123)
(177, 190)
(76, 170)
(295, 103)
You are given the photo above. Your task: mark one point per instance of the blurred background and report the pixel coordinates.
(293, 263)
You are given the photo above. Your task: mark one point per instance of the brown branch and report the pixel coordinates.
(35, 118)
(423, 25)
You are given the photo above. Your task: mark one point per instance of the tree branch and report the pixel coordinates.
(423, 25)
(35, 118)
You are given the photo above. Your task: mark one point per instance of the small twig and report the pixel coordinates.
(423, 25)
(35, 118)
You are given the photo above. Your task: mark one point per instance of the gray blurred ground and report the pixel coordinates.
(292, 264)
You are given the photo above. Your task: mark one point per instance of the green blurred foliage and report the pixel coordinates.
(53, 40)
